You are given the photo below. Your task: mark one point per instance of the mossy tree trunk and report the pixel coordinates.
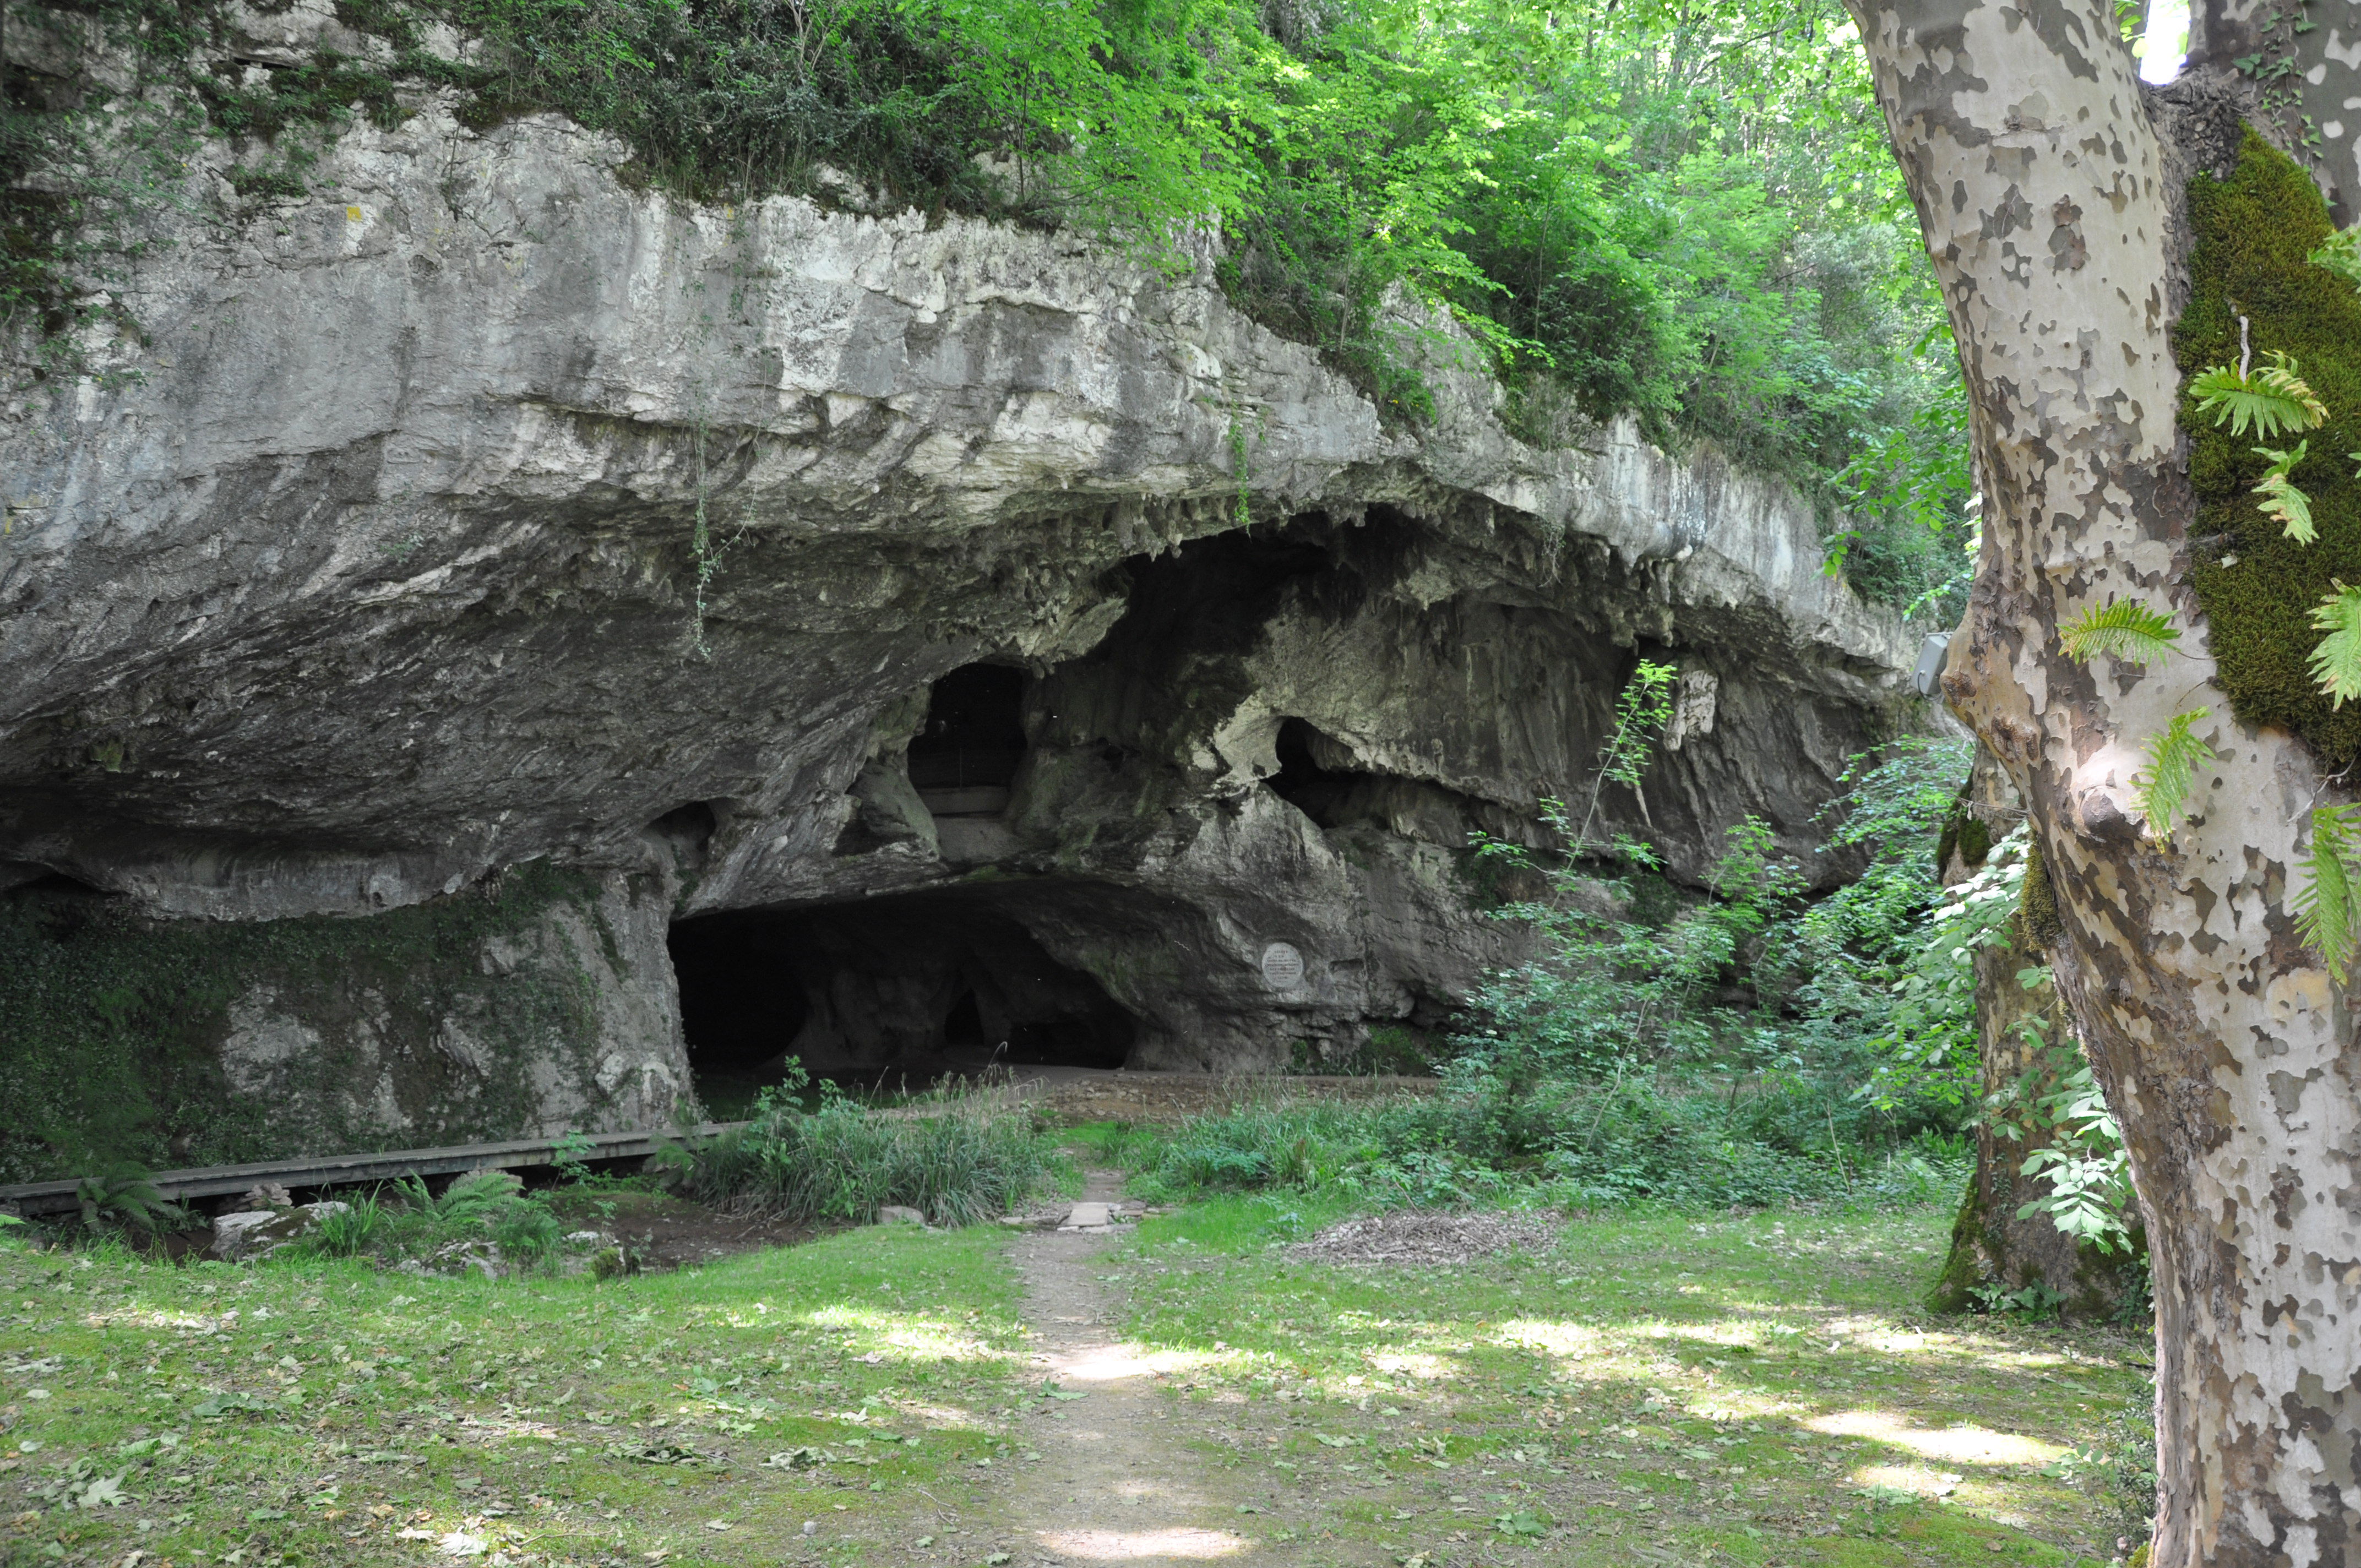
(1992, 1247)
(2051, 209)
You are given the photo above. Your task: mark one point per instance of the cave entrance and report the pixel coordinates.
(963, 761)
(742, 1004)
(895, 991)
(1314, 775)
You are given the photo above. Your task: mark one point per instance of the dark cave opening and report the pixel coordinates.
(743, 1003)
(965, 758)
(908, 990)
(1310, 777)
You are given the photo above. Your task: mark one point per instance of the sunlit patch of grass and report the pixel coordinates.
(1962, 1444)
(316, 1410)
(1785, 1409)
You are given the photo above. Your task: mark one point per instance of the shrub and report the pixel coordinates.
(1630, 1140)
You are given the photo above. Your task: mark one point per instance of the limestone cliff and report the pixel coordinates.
(371, 567)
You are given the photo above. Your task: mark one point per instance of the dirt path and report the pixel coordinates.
(1116, 1481)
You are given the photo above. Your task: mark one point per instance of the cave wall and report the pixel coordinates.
(366, 571)
(534, 1001)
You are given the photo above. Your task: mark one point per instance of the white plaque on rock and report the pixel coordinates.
(1283, 967)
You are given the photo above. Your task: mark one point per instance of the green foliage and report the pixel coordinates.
(2274, 401)
(360, 1227)
(125, 1199)
(2125, 1470)
(2036, 1303)
(2336, 662)
(2082, 1159)
(2328, 904)
(1609, 990)
(1965, 835)
(2340, 253)
(1642, 711)
(958, 1159)
(1631, 1139)
(475, 1197)
(2254, 232)
(2280, 499)
(2124, 629)
(2174, 755)
(409, 1220)
(1927, 1032)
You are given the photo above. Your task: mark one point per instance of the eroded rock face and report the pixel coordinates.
(383, 574)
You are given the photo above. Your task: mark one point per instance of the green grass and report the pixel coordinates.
(384, 1403)
(1764, 1389)
(1657, 1388)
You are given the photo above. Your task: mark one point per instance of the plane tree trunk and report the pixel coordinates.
(2052, 212)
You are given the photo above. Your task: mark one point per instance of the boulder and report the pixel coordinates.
(255, 1234)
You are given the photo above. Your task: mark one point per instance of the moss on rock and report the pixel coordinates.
(174, 1043)
(2252, 232)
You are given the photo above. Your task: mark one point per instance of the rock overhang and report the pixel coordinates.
(482, 510)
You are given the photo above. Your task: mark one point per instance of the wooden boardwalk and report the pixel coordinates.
(338, 1170)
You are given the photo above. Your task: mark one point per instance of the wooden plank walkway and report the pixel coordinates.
(336, 1170)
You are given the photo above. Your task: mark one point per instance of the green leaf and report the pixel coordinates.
(2273, 399)
(2336, 662)
(2328, 905)
(2289, 506)
(2281, 499)
(2173, 758)
(2341, 253)
(2121, 629)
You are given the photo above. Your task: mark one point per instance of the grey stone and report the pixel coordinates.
(896, 1215)
(255, 1234)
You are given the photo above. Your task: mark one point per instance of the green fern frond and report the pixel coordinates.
(2121, 629)
(2274, 400)
(2173, 758)
(2336, 662)
(2283, 462)
(2288, 506)
(2328, 905)
(2282, 380)
(2341, 253)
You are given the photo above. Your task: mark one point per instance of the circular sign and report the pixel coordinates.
(1283, 967)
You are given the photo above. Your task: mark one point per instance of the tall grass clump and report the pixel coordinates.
(958, 1159)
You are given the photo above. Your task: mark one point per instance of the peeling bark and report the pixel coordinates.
(2049, 207)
